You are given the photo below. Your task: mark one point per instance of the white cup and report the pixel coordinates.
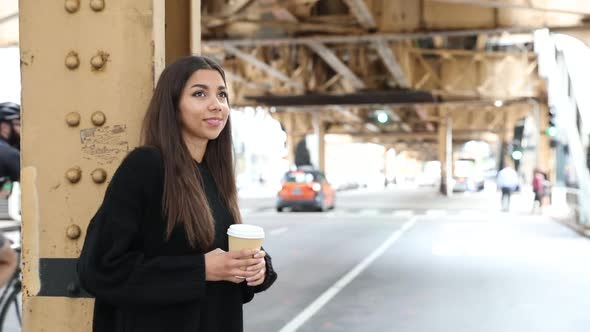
(242, 236)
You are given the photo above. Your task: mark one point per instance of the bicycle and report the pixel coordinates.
(10, 294)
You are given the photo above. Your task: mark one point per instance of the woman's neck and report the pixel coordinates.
(196, 147)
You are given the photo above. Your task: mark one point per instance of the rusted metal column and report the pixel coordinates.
(88, 71)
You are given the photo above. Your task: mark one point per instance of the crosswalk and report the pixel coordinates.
(366, 212)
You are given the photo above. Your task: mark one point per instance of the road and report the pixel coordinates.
(407, 259)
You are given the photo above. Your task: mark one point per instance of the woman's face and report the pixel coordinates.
(203, 106)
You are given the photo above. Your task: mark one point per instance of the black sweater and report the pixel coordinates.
(143, 282)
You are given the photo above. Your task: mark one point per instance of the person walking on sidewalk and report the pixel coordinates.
(507, 181)
(538, 189)
(156, 252)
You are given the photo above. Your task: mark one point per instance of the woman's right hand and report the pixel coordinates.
(230, 265)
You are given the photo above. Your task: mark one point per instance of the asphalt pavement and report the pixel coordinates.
(408, 259)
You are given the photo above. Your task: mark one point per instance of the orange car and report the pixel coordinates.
(305, 188)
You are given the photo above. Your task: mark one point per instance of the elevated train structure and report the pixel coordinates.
(444, 72)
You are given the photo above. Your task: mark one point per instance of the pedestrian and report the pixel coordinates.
(156, 252)
(507, 181)
(538, 189)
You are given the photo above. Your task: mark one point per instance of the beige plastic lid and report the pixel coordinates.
(246, 231)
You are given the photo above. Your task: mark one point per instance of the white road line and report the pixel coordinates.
(369, 212)
(436, 213)
(403, 213)
(278, 231)
(316, 305)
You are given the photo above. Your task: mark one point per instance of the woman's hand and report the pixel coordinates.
(233, 265)
(260, 268)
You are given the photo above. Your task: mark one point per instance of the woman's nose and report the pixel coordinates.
(215, 105)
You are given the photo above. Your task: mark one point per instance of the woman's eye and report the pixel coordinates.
(199, 94)
(223, 95)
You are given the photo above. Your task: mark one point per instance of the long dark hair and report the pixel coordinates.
(184, 200)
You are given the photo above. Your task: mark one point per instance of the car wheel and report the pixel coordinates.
(322, 207)
(279, 209)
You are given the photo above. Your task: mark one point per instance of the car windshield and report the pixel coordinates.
(300, 177)
(464, 168)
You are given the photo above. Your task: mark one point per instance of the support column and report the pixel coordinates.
(87, 77)
(507, 138)
(544, 153)
(385, 163)
(445, 151)
(179, 30)
(195, 19)
(320, 132)
(289, 124)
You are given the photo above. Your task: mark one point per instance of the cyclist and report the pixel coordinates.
(8, 260)
(10, 156)
(9, 142)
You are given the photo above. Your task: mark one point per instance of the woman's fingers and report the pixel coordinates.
(257, 279)
(247, 262)
(257, 267)
(236, 280)
(244, 253)
(237, 272)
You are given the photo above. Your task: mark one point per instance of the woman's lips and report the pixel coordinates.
(214, 122)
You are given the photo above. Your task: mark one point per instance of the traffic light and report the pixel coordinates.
(515, 151)
(517, 154)
(551, 129)
(382, 117)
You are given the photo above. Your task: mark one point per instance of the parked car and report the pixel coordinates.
(305, 188)
(466, 176)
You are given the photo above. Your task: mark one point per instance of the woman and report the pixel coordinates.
(155, 255)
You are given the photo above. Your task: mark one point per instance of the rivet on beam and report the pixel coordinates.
(72, 60)
(99, 60)
(99, 175)
(97, 5)
(74, 174)
(73, 119)
(73, 232)
(98, 118)
(72, 6)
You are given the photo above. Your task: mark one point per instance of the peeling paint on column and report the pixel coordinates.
(105, 145)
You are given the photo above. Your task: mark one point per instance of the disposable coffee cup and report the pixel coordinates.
(242, 236)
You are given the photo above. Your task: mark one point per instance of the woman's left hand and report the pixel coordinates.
(257, 279)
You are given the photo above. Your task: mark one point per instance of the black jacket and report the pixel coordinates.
(143, 282)
(9, 162)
